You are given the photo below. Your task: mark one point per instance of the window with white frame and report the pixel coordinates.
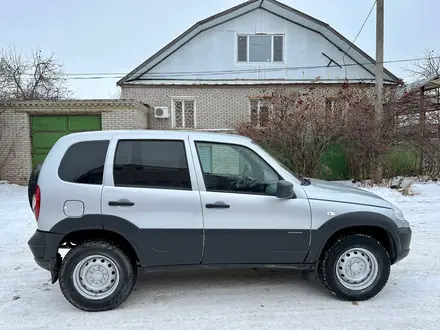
(259, 112)
(260, 48)
(333, 108)
(184, 113)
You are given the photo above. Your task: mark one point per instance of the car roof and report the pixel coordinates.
(145, 133)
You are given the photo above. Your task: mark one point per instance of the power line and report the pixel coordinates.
(362, 27)
(157, 75)
(360, 30)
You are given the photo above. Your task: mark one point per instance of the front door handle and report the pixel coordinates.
(121, 202)
(218, 205)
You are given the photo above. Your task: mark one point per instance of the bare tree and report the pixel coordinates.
(428, 67)
(37, 77)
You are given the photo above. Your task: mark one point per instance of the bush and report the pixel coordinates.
(342, 136)
(334, 165)
(402, 160)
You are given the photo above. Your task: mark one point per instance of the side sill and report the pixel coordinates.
(227, 266)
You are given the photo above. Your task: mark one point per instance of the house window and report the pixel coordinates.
(333, 108)
(184, 113)
(260, 48)
(259, 112)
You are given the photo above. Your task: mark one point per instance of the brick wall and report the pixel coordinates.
(217, 107)
(15, 139)
(15, 146)
(124, 119)
(225, 160)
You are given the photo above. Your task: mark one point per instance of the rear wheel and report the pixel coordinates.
(355, 267)
(97, 276)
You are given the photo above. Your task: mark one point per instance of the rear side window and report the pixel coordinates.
(84, 162)
(151, 164)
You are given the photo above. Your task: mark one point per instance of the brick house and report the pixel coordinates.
(216, 73)
(211, 77)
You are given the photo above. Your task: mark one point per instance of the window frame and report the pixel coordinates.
(191, 186)
(272, 35)
(212, 143)
(183, 99)
(261, 102)
(103, 165)
(334, 108)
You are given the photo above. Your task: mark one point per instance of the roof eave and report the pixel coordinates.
(74, 103)
(182, 36)
(131, 76)
(161, 51)
(356, 48)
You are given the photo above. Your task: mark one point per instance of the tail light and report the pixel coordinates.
(36, 202)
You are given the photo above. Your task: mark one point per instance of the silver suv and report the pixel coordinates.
(119, 200)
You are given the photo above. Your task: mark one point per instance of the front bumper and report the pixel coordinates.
(403, 246)
(44, 247)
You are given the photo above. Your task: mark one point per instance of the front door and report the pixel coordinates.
(244, 221)
(153, 186)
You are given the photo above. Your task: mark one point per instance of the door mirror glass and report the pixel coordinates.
(284, 189)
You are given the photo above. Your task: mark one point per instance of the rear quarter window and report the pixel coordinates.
(84, 162)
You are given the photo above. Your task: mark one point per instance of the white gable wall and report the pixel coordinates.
(216, 50)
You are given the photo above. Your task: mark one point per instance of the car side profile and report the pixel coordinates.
(121, 200)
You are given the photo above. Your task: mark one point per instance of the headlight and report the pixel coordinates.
(398, 213)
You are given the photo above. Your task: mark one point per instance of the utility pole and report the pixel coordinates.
(379, 58)
(378, 171)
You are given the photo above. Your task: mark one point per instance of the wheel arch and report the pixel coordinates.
(80, 236)
(103, 227)
(373, 224)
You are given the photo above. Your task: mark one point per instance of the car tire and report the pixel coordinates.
(97, 276)
(355, 267)
(33, 179)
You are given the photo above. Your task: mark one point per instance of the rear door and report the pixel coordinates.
(153, 186)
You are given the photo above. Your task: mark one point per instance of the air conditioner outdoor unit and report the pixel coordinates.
(161, 112)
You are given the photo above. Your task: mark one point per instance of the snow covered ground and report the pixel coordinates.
(227, 299)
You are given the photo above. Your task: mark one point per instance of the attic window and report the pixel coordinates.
(260, 48)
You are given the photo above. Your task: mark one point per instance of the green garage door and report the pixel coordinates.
(46, 130)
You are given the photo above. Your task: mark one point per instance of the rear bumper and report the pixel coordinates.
(403, 248)
(44, 247)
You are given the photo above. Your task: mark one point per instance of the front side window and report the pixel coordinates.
(151, 164)
(260, 48)
(235, 169)
(83, 162)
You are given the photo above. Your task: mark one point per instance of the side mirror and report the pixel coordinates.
(284, 189)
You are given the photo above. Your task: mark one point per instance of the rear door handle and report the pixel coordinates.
(121, 202)
(218, 205)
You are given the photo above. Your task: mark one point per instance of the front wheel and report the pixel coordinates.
(97, 276)
(355, 267)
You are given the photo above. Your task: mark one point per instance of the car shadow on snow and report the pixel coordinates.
(169, 285)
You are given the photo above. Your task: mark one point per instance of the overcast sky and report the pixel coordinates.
(116, 36)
